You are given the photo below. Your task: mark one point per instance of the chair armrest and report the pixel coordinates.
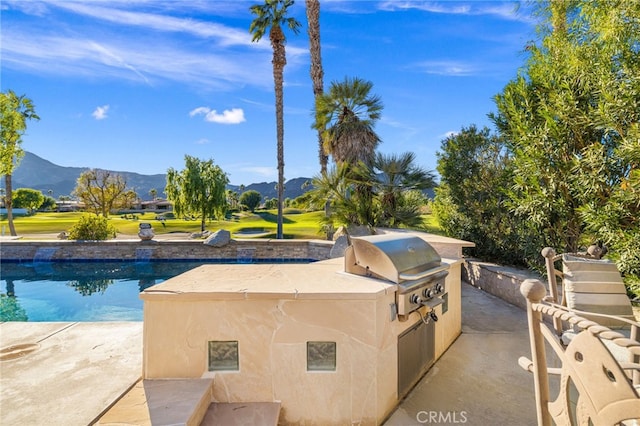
(527, 365)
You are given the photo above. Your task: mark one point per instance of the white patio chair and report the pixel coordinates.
(594, 388)
(592, 288)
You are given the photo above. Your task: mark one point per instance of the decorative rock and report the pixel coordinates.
(145, 232)
(63, 236)
(339, 246)
(352, 231)
(219, 238)
(358, 230)
(339, 232)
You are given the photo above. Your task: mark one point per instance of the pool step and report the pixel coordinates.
(242, 413)
(162, 402)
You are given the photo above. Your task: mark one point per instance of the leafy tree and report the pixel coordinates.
(48, 204)
(271, 203)
(92, 228)
(389, 199)
(395, 176)
(475, 178)
(250, 199)
(317, 73)
(570, 118)
(199, 189)
(232, 199)
(27, 198)
(103, 191)
(14, 112)
(346, 205)
(615, 218)
(272, 16)
(348, 113)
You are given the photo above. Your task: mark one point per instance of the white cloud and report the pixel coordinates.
(228, 116)
(133, 60)
(76, 47)
(448, 134)
(225, 35)
(199, 110)
(100, 112)
(449, 68)
(267, 172)
(505, 9)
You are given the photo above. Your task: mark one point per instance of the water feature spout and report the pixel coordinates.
(44, 254)
(143, 254)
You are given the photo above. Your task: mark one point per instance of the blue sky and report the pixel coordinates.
(135, 85)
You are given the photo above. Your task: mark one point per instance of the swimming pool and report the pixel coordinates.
(82, 291)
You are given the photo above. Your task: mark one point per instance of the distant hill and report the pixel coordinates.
(37, 173)
(292, 188)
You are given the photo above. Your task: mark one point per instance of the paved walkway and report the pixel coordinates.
(478, 380)
(78, 369)
(74, 371)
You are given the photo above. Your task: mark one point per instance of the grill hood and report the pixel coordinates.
(394, 257)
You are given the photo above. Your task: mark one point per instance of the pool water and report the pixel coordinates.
(80, 291)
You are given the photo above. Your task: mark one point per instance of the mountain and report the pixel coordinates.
(37, 173)
(292, 188)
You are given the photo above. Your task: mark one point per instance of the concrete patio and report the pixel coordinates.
(79, 369)
(478, 380)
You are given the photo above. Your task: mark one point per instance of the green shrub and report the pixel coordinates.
(91, 227)
(250, 199)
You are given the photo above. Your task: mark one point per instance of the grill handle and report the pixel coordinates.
(425, 274)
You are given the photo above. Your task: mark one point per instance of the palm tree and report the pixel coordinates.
(340, 187)
(272, 16)
(348, 112)
(317, 73)
(394, 175)
(14, 112)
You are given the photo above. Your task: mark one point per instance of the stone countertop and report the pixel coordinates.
(430, 238)
(319, 280)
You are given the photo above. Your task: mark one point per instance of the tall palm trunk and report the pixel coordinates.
(279, 61)
(317, 73)
(8, 203)
(270, 15)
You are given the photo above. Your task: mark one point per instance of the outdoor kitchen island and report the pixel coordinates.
(329, 345)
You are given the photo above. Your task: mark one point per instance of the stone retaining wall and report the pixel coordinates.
(501, 281)
(23, 251)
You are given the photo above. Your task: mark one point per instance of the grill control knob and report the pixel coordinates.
(415, 299)
(427, 292)
(439, 288)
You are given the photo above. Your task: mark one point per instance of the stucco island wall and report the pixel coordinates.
(272, 311)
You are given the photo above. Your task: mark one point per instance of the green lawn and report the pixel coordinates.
(261, 224)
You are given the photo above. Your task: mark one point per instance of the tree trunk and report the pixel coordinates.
(8, 203)
(317, 73)
(279, 61)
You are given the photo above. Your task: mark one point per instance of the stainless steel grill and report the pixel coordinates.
(404, 259)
